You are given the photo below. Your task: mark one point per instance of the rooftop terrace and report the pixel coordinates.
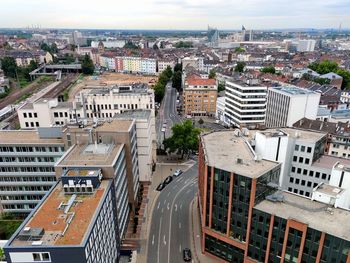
(228, 152)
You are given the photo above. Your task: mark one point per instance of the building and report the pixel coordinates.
(220, 109)
(245, 102)
(141, 65)
(245, 219)
(306, 45)
(27, 173)
(195, 62)
(213, 37)
(200, 96)
(164, 63)
(76, 222)
(288, 104)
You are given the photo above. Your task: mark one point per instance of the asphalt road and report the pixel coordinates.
(170, 227)
(167, 113)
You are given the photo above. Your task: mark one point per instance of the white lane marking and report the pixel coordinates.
(180, 225)
(181, 206)
(158, 205)
(168, 194)
(164, 242)
(168, 206)
(164, 201)
(188, 191)
(175, 207)
(160, 229)
(162, 210)
(180, 248)
(152, 240)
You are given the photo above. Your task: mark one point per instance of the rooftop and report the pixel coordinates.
(228, 152)
(327, 161)
(115, 125)
(91, 155)
(292, 90)
(201, 82)
(312, 213)
(307, 136)
(49, 221)
(134, 114)
(25, 137)
(329, 190)
(140, 88)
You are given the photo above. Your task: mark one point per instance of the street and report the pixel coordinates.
(170, 227)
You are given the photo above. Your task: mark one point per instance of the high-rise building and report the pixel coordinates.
(306, 45)
(288, 104)
(27, 173)
(244, 218)
(245, 102)
(213, 36)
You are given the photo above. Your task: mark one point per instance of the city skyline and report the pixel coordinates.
(178, 14)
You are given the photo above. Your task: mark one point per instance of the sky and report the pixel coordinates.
(175, 14)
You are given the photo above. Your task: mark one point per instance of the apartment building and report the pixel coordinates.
(244, 218)
(245, 102)
(79, 219)
(288, 104)
(200, 96)
(164, 63)
(135, 65)
(301, 153)
(195, 62)
(27, 173)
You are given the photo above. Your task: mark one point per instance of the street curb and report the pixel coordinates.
(193, 245)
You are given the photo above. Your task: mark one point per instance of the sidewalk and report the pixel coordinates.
(162, 171)
(196, 246)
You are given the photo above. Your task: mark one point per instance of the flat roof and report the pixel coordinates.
(53, 221)
(312, 213)
(134, 114)
(115, 125)
(91, 155)
(309, 136)
(223, 149)
(25, 137)
(293, 90)
(327, 161)
(329, 190)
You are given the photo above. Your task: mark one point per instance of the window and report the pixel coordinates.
(295, 158)
(304, 172)
(55, 114)
(302, 148)
(297, 147)
(309, 184)
(291, 180)
(301, 192)
(35, 115)
(297, 181)
(301, 159)
(302, 182)
(324, 176)
(45, 256)
(307, 160)
(30, 115)
(317, 175)
(36, 257)
(311, 173)
(293, 169)
(299, 171)
(309, 149)
(25, 115)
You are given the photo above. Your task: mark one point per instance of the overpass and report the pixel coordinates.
(55, 70)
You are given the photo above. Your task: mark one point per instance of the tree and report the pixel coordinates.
(87, 66)
(239, 50)
(9, 66)
(324, 67)
(221, 87)
(155, 46)
(168, 72)
(200, 121)
(54, 48)
(346, 78)
(159, 91)
(178, 67)
(212, 74)
(239, 66)
(45, 47)
(268, 69)
(130, 45)
(177, 80)
(184, 139)
(183, 44)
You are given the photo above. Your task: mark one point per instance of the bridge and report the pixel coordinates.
(55, 70)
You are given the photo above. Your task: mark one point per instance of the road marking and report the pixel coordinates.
(158, 205)
(175, 207)
(164, 240)
(152, 240)
(168, 206)
(180, 248)
(164, 201)
(168, 194)
(160, 229)
(181, 206)
(180, 225)
(162, 210)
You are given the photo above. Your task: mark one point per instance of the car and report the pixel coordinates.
(160, 187)
(187, 254)
(168, 180)
(177, 173)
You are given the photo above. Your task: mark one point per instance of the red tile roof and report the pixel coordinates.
(198, 82)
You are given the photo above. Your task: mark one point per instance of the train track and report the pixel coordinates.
(65, 83)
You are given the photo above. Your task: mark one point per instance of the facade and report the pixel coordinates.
(220, 109)
(27, 173)
(306, 45)
(245, 219)
(74, 223)
(200, 96)
(195, 62)
(245, 103)
(288, 104)
(128, 64)
(164, 63)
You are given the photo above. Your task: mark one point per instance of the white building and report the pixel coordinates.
(288, 104)
(245, 103)
(164, 63)
(196, 62)
(220, 109)
(306, 45)
(109, 43)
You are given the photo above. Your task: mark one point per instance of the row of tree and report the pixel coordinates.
(10, 68)
(159, 88)
(327, 66)
(177, 77)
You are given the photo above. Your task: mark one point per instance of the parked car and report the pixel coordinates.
(187, 254)
(168, 180)
(160, 187)
(177, 173)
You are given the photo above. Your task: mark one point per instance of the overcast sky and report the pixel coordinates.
(175, 14)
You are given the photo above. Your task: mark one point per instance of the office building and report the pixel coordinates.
(244, 218)
(78, 221)
(288, 104)
(245, 102)
(27, 173)
(213, 36)
(306, 45)
(200, 96)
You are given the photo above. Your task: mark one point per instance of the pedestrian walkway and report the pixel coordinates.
(195, 228)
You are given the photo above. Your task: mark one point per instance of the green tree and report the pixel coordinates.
(45, 47)
(346, 78)
(54, 48)
(184, 139)
(168, 72)
(239, 50)
(221, 87)
(155, 46)
(212, 74)
(177, 80)
(183, 44)
(322, 81)
(130, 45)
(324, 67)
(268, 69)
(9, 66)
(200, 121)
(240, 66)
(87, 66)
(178, 67)
(159, 91)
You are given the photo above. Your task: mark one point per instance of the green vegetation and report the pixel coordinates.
(130, 45)
(212, 74)
(327, 66)
(268, 69)
(3, 95)
(51, 49)
(87, 65)
(24, 97)
(177, 77)
(9, 66)
(11, 70)
(8, 225)
(183, 44)
(159, 88)
(184, 139)
(221, 87)
(240, 66)
(200, 121)
(239, 50)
